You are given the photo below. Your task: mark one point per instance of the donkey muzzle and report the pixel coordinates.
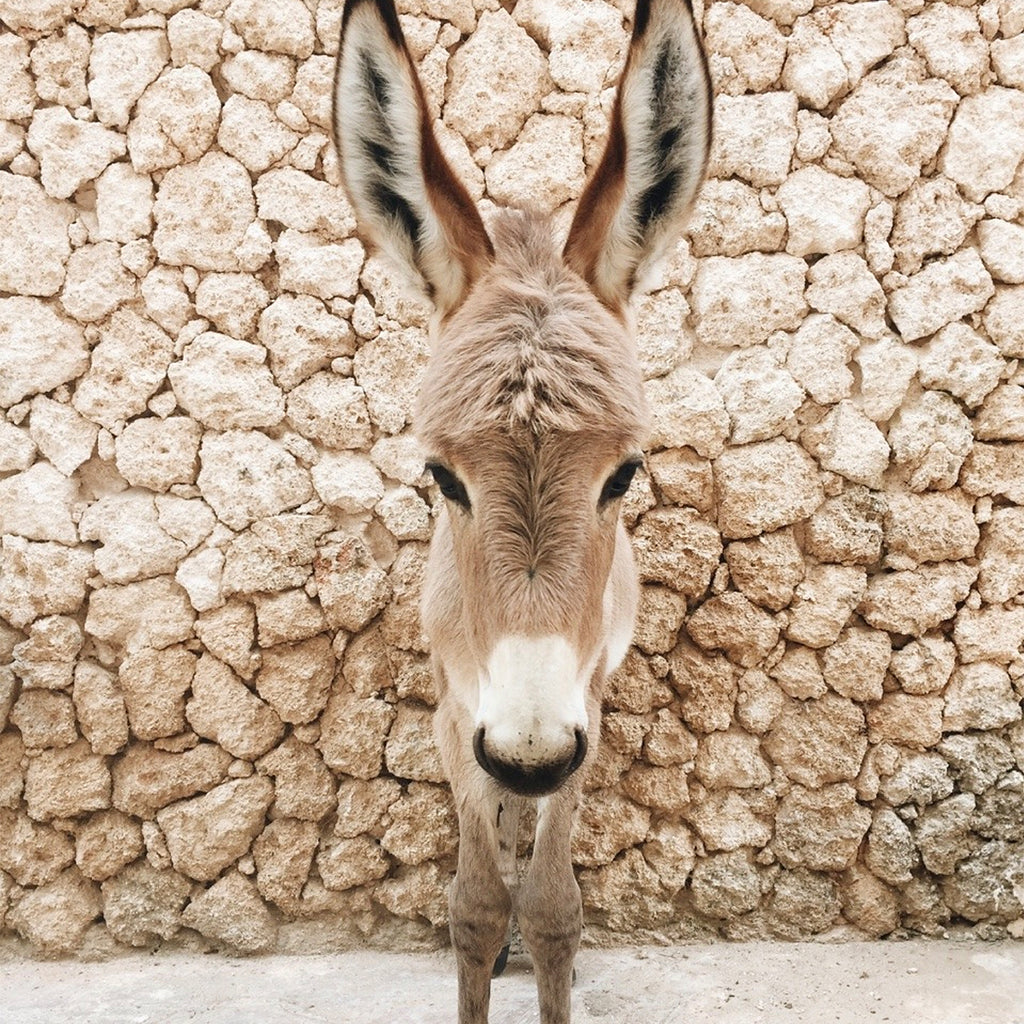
(525, 779)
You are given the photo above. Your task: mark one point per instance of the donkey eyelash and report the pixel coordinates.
(449, 484)
(618, 483)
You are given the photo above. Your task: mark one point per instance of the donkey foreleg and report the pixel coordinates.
(549, 907)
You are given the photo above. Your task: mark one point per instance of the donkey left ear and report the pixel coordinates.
(403, 190)
(637, 200)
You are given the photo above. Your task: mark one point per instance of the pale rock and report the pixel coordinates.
(331, 410)
(33, 854)
(208, 833)
(34, 243)
(142, 905)
(724, 821)
(347, 481)
(758, 702)
(886, 369)
(194, 38)
(283, 852)
(731, 760)
(914, 601)
(311, 266)
(728, 220)
(924, 665)
(423, 824)
(668, 742)
(96, 282)
(17, 93)
(677, 547)
(978, 759)
(38, 349)
(411, 751)
(930, 527)
(231, 913)
(984, 886)
(943, 834)
(818, 355)
(843, 285)
(46, 658)
(682, 477)
(405, 514)
(395, 296)
(687, 410)
(798, 673)
(122, 65)
(754, 137)
(995, 469)
(498, 78)
(298, 200)
(167, 299)
(41, 579)
(608, 823)
(246, 476)
(739, 302)
(146, 779)
(12, 141)
(661, 333)
(930, 437)
(157, 453)
(233, 302)
(959, 360)
(302, 337)
(819, 741)
(66, 783)
(890, 851)
(128, 365)
(229, 634)
(814, 139)
(820, 829)
(258, 75)
(286, 617)
(990, 633)
(763, 486)
(746, 52)
(846, 442)
(1004, 320)
(345, 863)
(893, 123)
(706, 684)
(1001, 556)
(17, 449)
(949, 39)
(70, 152)
(1007, 60)
(313, 88)
(671, 851)
(824, 212)
(1001, 245)
(733, 624)
(390, 370)
(107, 842)
(287, 27)
(662, 611)
(973, 158)
(766, 568)
(250, 132)
(906, 719)
(54, 917)
(352, 586)
(303, 786)
(194, 197)
(276, 553)
(295, 679)
(61, 434)
(932, 219)
(856, 664)
(151, 613)
(543, 167)
(824, 602)
(944, 291)
(803, 903)
(45, 719)
(201, 575)
(154, 684)
(363, 805)
(760, 396)
(37, 505)
(979, 696)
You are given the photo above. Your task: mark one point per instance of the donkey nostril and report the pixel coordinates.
(529, 780)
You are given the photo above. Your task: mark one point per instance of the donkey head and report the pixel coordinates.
(532, 410)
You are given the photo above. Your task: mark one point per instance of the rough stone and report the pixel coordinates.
(914, 601)
(146, 779)
(818, 356)
(100, 708)
(754, 137)
(70, 152)
(761, 397)
(142, 905)
(687, 410)
(106, 843)
(54, 917)
(820, 829)
(930, 437)
(978, 163)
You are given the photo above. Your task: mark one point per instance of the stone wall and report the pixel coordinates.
(214, 692)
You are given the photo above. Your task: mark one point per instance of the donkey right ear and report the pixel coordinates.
(403, 190)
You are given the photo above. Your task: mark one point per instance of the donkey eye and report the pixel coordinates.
(450, 485)
(618, 483)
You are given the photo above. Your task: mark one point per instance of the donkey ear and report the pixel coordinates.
(635, 204)
(403, 190)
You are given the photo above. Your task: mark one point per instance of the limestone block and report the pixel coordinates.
(231, 913)
(942, 833)
(12, 756)
(142, 905)
(995, 469)
(766, 568)
(924, 665)
(803, 903)
(154, 684)
(303, 786)
(45, 719)
(55, 916)
(886, 369)
(17, 93)
(930, 438)
(949, 39)
(207, 833)
(70, 152)
(194, 38)
(1001, 245)
(405, 514)
(44, 660)
(390, 371)
(724, 821)
(275, 554)
(1001, 416)
(283, 852)
(823, 603)
(287, 27)
(302, 337)
(731, 760)
(59, 65)
(906, 719)
(893, 123)
(346, 863)
(745, 50)
(662, 613)
(890, 852)
(33, 854)
(921, 778)
(820, 829)
(706, 684)
(121, 67)
(741, 301)
(128, 365)
(930, 527)
(423, 824)
(818, 741)
(245, 476)
(158, 453)
(1001, 551)
(913, 601)
(363, 805)
(41, 579)
(348, 481)
(1004, 320)
(1007, 61)
(731, 623)
(726, 885)
(754, 137)
(151, 613)
(224, 710)
(677, 547)
(37, 505)
(259, 75)
(959, 360)
(17, 450)
(544, 166)
(497, 80)
(944, 291)
(661, 333)
(66, 783)
(608, 823)
(843, 285)
(824, 212)
(970, 892)
(687, 411)
(763, 486)
(146, 779)
(100, 708)
(232, 301)
(312, 92)
(311, 266)
(682, 477)
(932, 219)
(846, 442)
(760, 396)
(295, 679)
(977, 760)
(61, 434)
(989, 633)
(252, 134)
(107, 842)
(287, 617)
(38, 349)
(855, 665)
(818, 356)
(972, 158)
(728, 219)
(298, 200)
(353, 731)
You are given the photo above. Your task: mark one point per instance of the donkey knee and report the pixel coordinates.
(478, 923)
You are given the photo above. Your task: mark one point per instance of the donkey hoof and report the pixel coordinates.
(501, 963)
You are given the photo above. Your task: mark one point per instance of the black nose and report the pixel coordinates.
(533, 779)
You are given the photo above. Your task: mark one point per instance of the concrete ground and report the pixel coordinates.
(758, 983)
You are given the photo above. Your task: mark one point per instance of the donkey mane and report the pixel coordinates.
(530, 353)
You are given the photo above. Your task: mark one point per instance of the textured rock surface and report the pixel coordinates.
(215, 694)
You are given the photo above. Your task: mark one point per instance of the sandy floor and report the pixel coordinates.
(853, 983)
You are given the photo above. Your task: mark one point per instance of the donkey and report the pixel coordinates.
(532, 413)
